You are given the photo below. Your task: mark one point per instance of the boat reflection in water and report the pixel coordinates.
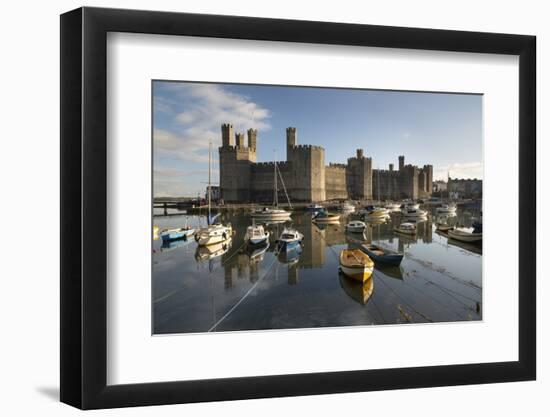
(205, 253)
(258, 287)
(175, 244)
(357, 291)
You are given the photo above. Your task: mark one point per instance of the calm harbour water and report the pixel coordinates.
(227, 287)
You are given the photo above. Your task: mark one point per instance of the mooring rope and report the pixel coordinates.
(244, 296)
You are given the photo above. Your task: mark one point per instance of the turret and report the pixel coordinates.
(360, 153)
(401, 162)
(240, 140)
(227, 135)
(291, 137)
(252, 138)
(391, 167)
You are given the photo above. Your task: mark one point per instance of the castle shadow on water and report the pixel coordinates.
(306, 176)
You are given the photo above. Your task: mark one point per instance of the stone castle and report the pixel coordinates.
(307, 178)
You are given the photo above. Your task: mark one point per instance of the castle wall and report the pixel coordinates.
(308, 174)
(263, 182)
(359, 177)
(235, 171)
(336, 186)
(385, 185)
(408, 182)
(306, 177)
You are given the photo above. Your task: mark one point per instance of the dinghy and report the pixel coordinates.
(446, 208)
(441, 227)
(465, 236)
(326, 217)
(356, 264)
(382, 255)
(182, 233)
(410, 212)
(406, 229)
(356, 226)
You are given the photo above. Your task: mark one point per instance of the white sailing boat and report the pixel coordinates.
(214, 233)
(274, 213)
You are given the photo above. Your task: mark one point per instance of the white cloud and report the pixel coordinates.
(197, 112)
(459, 170)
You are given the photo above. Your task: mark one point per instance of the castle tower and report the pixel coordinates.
(401, 162)
(291, 139)
(227, 135)
(240, 140)
(252, 138)
(360, 153)
(391, 167)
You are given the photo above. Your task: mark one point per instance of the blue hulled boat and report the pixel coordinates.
(170, 235)
(382, 255)
(290, 239)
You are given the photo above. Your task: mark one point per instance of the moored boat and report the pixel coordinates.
(393, 207)
(205, 253)
(356, 226)
(465, 235)
(347, 207)
(356, 264)
(273, 214)
(411, 212)
(312, 208)
(379, 254)
(406, 228)
(446, 208)
(411, 206)
(170, 235)
(326, 217)
(256, 234)
(213, 234)
(372, 211)
(289, 239)
(441, 227)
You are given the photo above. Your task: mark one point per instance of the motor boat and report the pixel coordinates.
(256, 234)
(289, 239)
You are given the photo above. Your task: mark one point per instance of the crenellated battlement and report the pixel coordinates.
(271, 165)
(336, 166)
(305, 174)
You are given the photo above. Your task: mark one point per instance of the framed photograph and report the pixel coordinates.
(257, 208)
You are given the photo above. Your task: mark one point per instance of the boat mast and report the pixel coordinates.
(275, 196)
(378, 186)
(209, 178)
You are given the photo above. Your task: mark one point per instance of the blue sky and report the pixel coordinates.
(444, 130)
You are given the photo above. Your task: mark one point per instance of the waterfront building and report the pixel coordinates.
(465, 188)
(305, 175)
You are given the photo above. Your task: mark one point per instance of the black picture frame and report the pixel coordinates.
(84, 207)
